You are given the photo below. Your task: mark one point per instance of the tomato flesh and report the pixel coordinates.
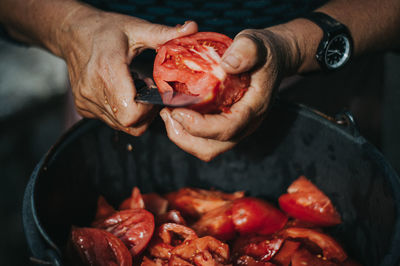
(304, 201)
(191, 65)
(251, 215)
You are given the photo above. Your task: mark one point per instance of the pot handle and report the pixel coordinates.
(346, 120)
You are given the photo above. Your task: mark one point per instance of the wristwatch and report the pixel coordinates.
(336, 46)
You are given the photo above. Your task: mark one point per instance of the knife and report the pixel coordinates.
(150, 95)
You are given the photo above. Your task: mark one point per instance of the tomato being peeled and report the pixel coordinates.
(191, 65)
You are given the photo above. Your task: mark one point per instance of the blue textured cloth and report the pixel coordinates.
(228, 17)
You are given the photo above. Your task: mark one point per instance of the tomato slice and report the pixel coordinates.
(195, 202)
(252, 215)
(217, 223)
(104, 209)
(306, 202)
(202, 251)
(285, 253)
(191, 65)
(174, 234)
(330, 248)
(134, 227)
(134, 201)
(154, 203)
(91, 246)
(303, 257)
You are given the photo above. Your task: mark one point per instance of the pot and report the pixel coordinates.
(93, 159)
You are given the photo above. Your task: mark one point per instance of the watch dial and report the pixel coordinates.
(337, 52)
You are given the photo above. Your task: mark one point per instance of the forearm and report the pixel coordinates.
(374, 26)
(38, 22)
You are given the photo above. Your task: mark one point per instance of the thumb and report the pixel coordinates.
(245, 53)
(157, 34)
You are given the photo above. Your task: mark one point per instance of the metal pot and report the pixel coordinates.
(92, 159)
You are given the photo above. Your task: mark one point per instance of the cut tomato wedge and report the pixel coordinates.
(306, 202)
(330, 248)
(252, 215)
(191, 65)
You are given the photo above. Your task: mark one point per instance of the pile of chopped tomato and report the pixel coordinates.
(190, 65)
(193, 226)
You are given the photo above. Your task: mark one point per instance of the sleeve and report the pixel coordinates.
(6, 37)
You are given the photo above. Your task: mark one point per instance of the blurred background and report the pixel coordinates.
(33, 89)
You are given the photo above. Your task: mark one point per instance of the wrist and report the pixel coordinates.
(302, 38)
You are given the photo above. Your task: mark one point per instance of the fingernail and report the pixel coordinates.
(182, 28)
(163, 116)
(232, 61)
(177, 117)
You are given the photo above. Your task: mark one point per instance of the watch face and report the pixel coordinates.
(337, 52)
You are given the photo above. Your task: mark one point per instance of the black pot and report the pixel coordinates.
(92, 159)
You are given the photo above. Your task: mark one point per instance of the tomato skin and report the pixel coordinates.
(195, 202)
(191, 65)
(252, 215)
(304, 201)
(134, 227)
(330, 248)
(217, 223)
(303, 257)
(104, 209)
(91, 246)
(285, 253)
(134, 201)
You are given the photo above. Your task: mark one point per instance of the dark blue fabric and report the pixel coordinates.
(228, 17)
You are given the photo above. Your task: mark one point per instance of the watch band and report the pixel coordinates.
(324, 21)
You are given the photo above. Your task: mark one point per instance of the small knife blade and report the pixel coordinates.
(151, 95)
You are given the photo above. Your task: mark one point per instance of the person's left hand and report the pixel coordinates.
(268, 55)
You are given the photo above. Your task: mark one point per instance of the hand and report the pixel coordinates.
(98, 48)
(269, 55)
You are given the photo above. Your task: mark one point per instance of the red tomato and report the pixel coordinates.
(103, 209)
(174, 234)
(330, 248)
(285, 253)
(195, 202)
(303, 257)
(91, 246)
(260, 248)
(191, 65)
(201, 251)
(172, 216)
(306, 202)
(251, 215)
(155, 204)
(135, 201)
(249, 261)
(134, 227)
(217, 223)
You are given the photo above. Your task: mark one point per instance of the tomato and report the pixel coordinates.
(217, 223)
(91, 246)
(306, 202)
(155, 204)
(260, 248)
(251, 215)
(195, 202)
(104, 209)
(285, 253)
(330, 248)
(191, 65)
(175, 234)
(201, 251)
(172, 216)
(134, 201)
(303, 257)
(134, 227)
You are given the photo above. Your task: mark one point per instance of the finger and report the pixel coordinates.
(154, 35)
(246, 52)
(204, 149)
(223, 127)
(120, 92)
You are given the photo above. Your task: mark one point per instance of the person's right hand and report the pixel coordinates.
(98, 48)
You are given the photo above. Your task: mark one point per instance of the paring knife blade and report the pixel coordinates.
(151, 95)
